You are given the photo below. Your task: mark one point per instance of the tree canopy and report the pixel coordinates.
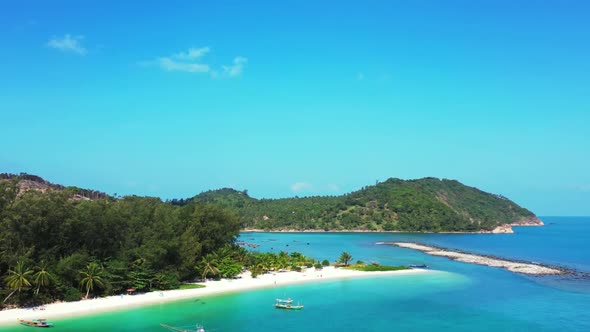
(54, 245)
(429, 205)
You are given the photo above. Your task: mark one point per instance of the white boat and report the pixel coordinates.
(287, 304)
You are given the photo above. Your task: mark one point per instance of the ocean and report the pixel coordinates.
(458, 297)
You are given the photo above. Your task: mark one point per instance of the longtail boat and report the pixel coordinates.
(35, 323)
(287, 304)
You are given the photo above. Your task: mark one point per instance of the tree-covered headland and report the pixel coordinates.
(428, 205)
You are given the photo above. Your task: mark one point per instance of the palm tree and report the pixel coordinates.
(208, 265)
(257, 269)
(345, 258)
(18, 278)
(91, 276)
(240, 254)
(42, 277)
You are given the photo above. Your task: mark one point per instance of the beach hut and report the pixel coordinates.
(130, 291)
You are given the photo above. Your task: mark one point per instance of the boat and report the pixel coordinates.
(287, 304)
(199, 328)
(418, 266)
(35, 322)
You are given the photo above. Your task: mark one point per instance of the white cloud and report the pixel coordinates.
(193, 53)
(301, 186)
(188, 62)
(68, 43)
(192, 61)
(170, 64)
(237, 68)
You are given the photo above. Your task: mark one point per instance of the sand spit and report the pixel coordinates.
(510, 265)
(246, 282)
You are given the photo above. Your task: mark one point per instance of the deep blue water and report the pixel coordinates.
(462, 297)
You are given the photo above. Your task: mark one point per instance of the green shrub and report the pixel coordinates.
(72, 295)
(374, 268)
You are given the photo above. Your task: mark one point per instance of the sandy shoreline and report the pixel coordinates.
(114, 303)
(510, 265)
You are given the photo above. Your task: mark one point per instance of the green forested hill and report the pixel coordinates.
(53, 239)
(427, 204)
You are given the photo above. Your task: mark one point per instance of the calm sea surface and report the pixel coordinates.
(461, 297)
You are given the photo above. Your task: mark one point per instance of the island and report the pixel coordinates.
(395, 205)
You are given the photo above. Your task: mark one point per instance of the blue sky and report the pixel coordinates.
(289, 98)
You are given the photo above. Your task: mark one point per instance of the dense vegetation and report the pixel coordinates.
(53, 246)
(376, 268)
(65, 243)
(56, 246)
(427, 204)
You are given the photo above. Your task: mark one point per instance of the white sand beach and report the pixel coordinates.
(246, 282)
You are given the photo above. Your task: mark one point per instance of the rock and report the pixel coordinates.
(503, 229)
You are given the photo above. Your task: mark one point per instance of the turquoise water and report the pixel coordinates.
(462, 297)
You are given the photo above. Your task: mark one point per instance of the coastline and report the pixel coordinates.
(245, 283)
(500, 229)
(497, 230)
(530, 268)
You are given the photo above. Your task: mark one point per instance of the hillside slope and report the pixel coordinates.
(423, 205)
(428, 205)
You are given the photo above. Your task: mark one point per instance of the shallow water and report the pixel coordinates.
(462, 297)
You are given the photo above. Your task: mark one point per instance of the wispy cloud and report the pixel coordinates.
(191, 61)
(68, 43)
(170, 64)
(301, 186)
(192, 53)
(237, 67)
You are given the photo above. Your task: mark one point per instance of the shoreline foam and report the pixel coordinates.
(245, 283)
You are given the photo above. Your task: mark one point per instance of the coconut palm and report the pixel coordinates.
(42, 278)
(345, 258)
(257, 269)
(209, 265)
(18, 278)
(91, 277)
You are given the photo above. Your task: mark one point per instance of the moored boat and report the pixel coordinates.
(35, 322)
(287, 304)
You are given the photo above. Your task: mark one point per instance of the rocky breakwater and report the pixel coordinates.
(510, 265)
